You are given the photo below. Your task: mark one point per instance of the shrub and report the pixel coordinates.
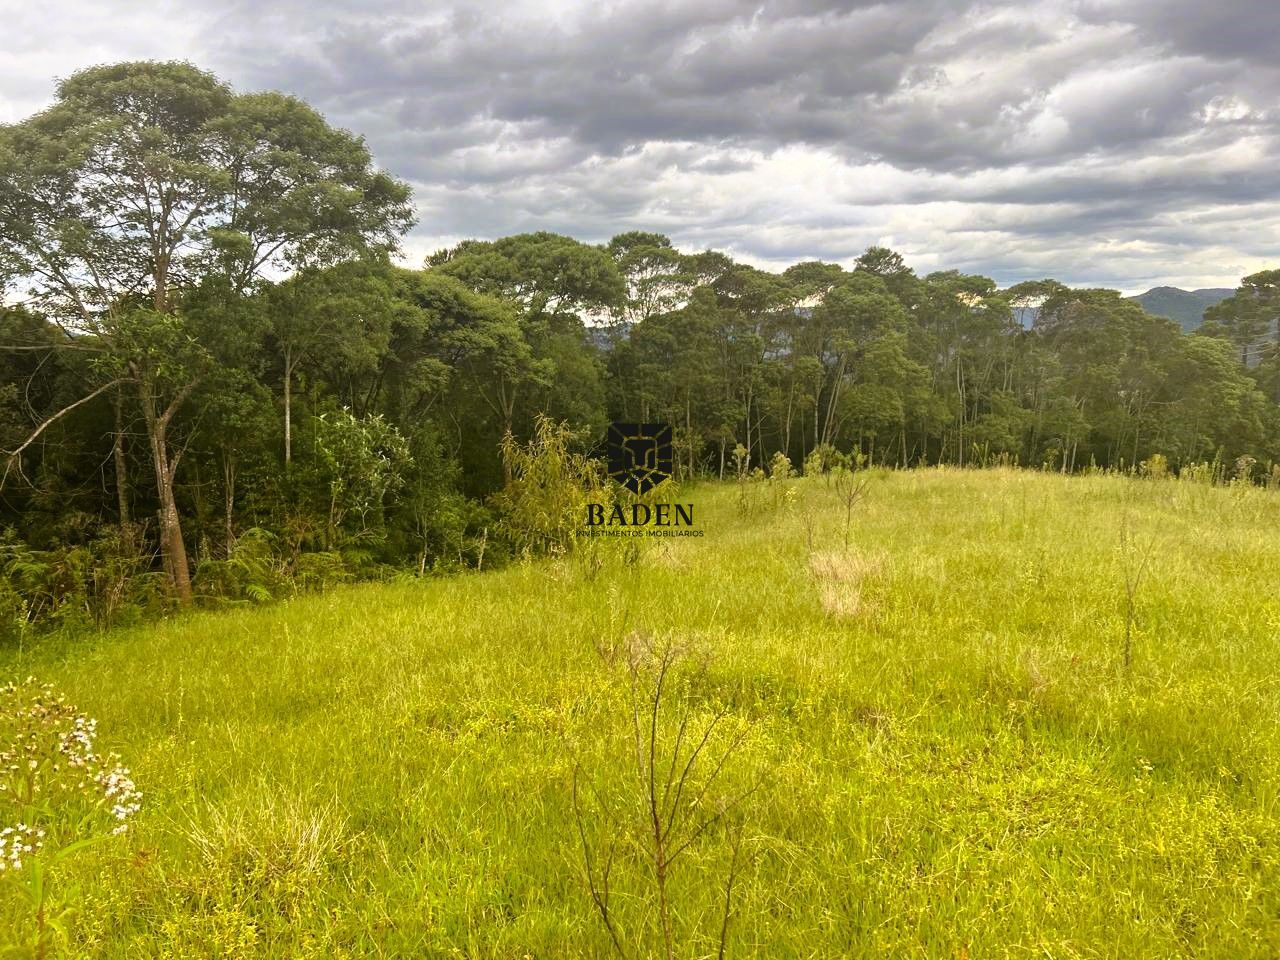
(99, 583)
(1242, 469)
(780, 467)
(362, 461)
(252, 572)
(544, 503)
(1205, 473)
(823, 459)
(316, 571)
(780, 474)
(1155, 467)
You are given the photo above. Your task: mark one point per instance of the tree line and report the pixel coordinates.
(214, 378)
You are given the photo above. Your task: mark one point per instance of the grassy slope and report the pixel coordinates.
(955, 764)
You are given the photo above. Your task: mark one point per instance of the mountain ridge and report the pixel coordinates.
(1187, 307)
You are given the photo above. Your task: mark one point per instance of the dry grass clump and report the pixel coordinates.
(666, 557)
(281, 850)
(842, 580)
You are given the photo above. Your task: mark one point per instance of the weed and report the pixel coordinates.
(674, 803)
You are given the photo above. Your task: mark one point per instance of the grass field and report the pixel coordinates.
(949, 757)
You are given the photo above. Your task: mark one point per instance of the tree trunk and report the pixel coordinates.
(172, 547)
(507, 407)
(688, 430)
(122, 475)
(786, 433)
(288, 407)
(229, 491)
(171, 541)
(833, 400)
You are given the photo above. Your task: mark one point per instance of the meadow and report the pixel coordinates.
(928, 737)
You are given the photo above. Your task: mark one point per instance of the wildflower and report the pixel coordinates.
(49, 753)
(17, 842)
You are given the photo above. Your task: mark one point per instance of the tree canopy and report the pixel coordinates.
(215, 351)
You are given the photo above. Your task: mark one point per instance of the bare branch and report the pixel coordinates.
(177, 401)
(15, 454)
(599, 894)
(728, 892)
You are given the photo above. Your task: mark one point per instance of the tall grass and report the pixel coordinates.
(953, 762)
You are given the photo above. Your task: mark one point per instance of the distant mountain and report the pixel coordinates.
(1185, 306)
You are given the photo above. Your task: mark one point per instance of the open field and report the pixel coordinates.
(950, 757)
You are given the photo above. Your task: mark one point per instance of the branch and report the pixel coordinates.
(23, 347)
(599, 895)
(178, 400)
(728, 892)
(13, 456)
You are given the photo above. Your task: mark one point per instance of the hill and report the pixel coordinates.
(934, 744)
(1187, 307)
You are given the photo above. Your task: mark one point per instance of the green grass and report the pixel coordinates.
(954, 762)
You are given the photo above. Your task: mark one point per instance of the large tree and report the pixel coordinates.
(1250, 317)
(145, 180)
(556, 284)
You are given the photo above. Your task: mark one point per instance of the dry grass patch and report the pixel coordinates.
(843, 577)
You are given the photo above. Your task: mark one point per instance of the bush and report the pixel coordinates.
(100, 583)
(544, 504)
(252, 573)
(823, 459)
(1155, 467)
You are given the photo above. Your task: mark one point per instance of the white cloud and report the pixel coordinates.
(1094, 142)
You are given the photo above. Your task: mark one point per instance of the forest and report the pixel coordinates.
(219, 382)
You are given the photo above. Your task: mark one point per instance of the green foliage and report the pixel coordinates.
(545, 273)
(99, 583)
(544, 505)
(252, 572)
(781, 474)
(1156, 467)
(227, 378)
(823, 459)
(162, 197)
(360, 461)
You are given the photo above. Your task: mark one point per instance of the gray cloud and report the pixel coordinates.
(1126, 142)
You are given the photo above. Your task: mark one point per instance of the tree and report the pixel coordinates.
(342, 313)
(453, 352)
(1213, 403)
(556, 282)
(1250, 318)
(144, 180)
(361, 462)
(852, 315)
(542, 272)
(889, 266)
(658, 278)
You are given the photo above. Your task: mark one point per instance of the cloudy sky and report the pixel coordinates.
(1125, 143)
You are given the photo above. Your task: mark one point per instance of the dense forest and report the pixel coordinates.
(216, 382)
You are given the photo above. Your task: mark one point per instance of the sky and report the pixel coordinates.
(1120, 143)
